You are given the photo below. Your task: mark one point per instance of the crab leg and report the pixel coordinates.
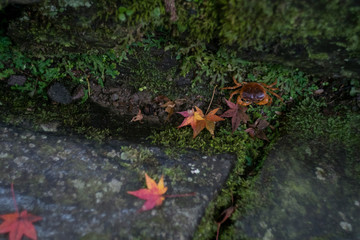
(275, 95)
(267, 100)
(270, 88)
(236, 82)
(241, 102)
(271, 85)
(233, 93)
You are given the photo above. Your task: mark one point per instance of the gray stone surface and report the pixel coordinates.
(307, 190)
(80, 187)
(58, 93)
(16, 80)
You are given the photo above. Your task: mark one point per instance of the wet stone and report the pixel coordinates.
(80, 187)
(306, 190)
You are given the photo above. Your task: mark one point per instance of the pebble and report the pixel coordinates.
(319, 91)
(16, 80)
(58, 93)
(346, 226)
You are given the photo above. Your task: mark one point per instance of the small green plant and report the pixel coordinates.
(355, 87)
(41, 72)
(123, 13)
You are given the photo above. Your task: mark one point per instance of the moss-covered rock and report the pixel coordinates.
(306, 193)
(312, 35)
(308, 187)
(80, 187)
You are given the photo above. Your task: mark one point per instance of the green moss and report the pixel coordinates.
(175, 174)
(224, 141)
(246, 198)
(309, 122)
(319, 56)
(150, 71)
(290, 22)
(97, 236)
(138, 157)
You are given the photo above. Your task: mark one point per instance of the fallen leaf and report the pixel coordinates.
(169, 108)
(138, 117)
(168, 104)
(189, 118)
(19, 224)
(237, 114)
(257, 129)
(153, 194)
(207, 121)
(161, 99)
(226, 213)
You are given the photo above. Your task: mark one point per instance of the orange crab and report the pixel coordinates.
(253, 92)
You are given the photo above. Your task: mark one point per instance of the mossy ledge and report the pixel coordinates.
(310, 35)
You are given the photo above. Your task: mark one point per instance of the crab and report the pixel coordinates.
(253, 92)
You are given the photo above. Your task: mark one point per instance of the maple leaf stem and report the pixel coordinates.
(212, 98)
(181, 195)
(218, 231)
(13, 196)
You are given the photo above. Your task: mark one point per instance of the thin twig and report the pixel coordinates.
(212, 98)
(88, 84)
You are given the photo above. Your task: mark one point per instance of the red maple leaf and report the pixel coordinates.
(237, 114)
(257, 129)
(154, 193)
(19, 224)
(226, 214)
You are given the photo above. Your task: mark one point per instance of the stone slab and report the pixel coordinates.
(307, 190)
(80, 187)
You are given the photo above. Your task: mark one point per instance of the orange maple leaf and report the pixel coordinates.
(153, 194)
(208, 121)
(19, 224)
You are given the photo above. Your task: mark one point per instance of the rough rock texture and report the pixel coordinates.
(58, 93)
(16, 80)
(80, 188)
(308, 190)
